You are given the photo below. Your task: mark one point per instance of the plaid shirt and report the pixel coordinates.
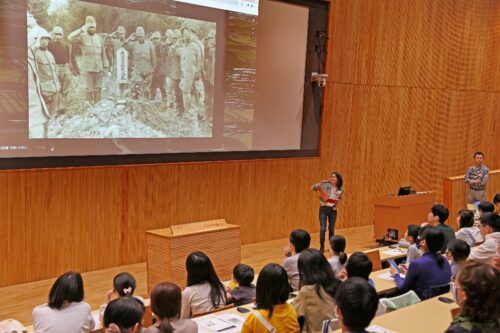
(474, 173)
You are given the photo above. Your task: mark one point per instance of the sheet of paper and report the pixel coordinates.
(378, 329)
(394, 252)
(227, 323)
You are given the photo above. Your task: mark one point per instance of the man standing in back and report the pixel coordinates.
(476, 177)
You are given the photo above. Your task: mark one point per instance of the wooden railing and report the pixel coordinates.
(454, 193)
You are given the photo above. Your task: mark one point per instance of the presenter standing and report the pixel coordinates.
(330, 193)
(476, 177)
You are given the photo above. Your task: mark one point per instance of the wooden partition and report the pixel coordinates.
(413, 91)
(454, 192)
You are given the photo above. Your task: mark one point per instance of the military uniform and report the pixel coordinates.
(93, 61)
(173, 71)
(38, 113)
(62, 56)
(143, 63)
(49, 83)
(209, 72)
(160, 71)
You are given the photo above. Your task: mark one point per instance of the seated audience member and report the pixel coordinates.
(11, 326)
(411, 237)
(204, 291)
(123, 285)
(339, 257)
(244, 293)
(432, 269)
(485, 207)
(272, 308)
(66, 312)
(359, 265)
(315, 299)
(436, 218)
(457, 252)
(477, 291)
(166, 301)
(357, 304)
(490, 229)
(468, 232)
(496, 202)
(123, 315)
(299, 241)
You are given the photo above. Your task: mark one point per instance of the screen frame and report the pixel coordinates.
(312, 105)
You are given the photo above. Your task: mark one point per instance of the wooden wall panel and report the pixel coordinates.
(413, 92)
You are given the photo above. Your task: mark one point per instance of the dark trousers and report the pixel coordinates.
(326, 213)
(158, 82)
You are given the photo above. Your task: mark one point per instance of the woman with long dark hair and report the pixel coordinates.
(430, 270)
(66, 312)
(166, 301)
(315, 300)
(272, 309)
(204, 291)
(330, 193)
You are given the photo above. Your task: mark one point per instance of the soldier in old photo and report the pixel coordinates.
(173, 43)
(143, 63)
(38, 112)
(61, 51)
(209, 72)
(47, 72)
(160, 71)
(93, 59)
(118, 58)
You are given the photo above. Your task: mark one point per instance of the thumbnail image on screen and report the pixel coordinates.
(110, 72)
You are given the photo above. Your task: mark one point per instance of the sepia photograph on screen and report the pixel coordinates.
(98, 71)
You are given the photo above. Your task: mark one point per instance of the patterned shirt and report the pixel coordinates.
(332, 193)
(473, 173)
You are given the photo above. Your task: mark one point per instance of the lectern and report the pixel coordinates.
(168, 248)
(396, 212)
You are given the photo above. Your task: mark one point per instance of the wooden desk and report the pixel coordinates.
(396, 212)
(387, 253)
(431, 315)
(383, 286)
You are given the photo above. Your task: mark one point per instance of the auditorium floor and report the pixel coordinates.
(18, 301)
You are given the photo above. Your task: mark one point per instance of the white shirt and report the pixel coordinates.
(196, 299)
(291, 267)
(488, 249)
(471, 235)
(73, 317)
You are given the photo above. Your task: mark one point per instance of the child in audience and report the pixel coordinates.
(467, 231)
(272, 308)
(315, 300)
(339, 258)
(432, 269)
(457, 252)
(204, 291)
(359, 265)
(65, 312)
(357, 303)
(411, 237)
(166, 301)
(244, 293)
(123, 315)
(299, 241)
(477, 291)
(123, 286)
(490, 229)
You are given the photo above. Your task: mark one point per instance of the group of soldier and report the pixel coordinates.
(178, 65)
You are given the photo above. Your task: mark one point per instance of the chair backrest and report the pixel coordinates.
(374, 256)
(401, 301)
(199, 314)
(435, 291)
